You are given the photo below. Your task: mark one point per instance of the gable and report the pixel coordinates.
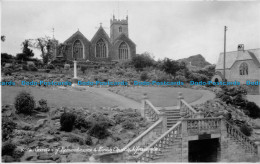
(124, 38)
(77, 35)
(101, 33)
(232, 57)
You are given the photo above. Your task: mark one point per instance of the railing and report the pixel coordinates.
(243, 139)
(151, 111)
(201, 125)
(163, 141)
(186, 110)
(142, 139)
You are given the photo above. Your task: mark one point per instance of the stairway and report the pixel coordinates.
(173, 115)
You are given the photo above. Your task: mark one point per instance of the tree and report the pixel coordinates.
(2, 38)
(27, 52)
(171, 66)
(45, 45)
(143, 60)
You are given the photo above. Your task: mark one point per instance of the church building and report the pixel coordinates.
(102, 47)
(241, 66)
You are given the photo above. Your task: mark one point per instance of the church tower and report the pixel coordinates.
(117, 27)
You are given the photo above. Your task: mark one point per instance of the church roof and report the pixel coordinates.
(75, 34)
(100, 31)
(232, 57)
(125, 38)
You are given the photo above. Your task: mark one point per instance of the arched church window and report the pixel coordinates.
(120, 29)
(77, 50)
(243, 69)
(101, 49)
(123, 51)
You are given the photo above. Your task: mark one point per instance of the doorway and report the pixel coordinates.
(205, 150)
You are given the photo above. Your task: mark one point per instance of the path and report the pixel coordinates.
(125, 102)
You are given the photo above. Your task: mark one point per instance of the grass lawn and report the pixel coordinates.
(101, 97)
(161, 97)
(58, 97)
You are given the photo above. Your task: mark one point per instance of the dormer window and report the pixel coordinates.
(120, 29)
(243, 69)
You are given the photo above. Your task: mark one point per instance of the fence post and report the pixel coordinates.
(143, 105)
(163, 116)
(184, 144)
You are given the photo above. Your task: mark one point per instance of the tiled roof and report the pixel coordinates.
(232, 57)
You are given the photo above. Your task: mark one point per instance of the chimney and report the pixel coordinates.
(240, 47)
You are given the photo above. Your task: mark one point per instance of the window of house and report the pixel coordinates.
(243, 69)
(123, 51)
(101, 49)
(77, 50)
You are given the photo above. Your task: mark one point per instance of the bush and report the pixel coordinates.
(142, 61)
(253, 109)
(99, 130)
(67, 121)
(24, 103)
(75, 139)
(32, 68)
(25, 67)
(66, 66)
(143, 76)
(50, 66)
(8, 127)
(81, 122)
(246, 130)
(8, 148)
(43, 106)
(88, 140)
(128, 125)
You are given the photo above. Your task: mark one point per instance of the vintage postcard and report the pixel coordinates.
(130, 81)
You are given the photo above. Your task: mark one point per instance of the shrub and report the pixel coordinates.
(128, 125)
(66, 66)
(88, 140)
(25, 67)
(75, 139)
(42, 102)
(8, 127)
(8, 148)
(24, 103)
(246, 130)
(143, 76)
(99, 130)
(142, 61)
(81, 122)
(253, 109)
(50, 66)
(83, 68)
(43, 106)
(67, 121)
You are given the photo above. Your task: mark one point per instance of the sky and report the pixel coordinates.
(173, 29)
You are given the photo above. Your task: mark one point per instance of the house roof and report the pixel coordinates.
(233, 56)
(100, 31)
(124, 37)
(75, 34)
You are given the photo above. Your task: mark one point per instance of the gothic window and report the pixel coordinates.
(77, 50)
(123, 51)
(243, 69)
(101, 49)
(120, 29)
